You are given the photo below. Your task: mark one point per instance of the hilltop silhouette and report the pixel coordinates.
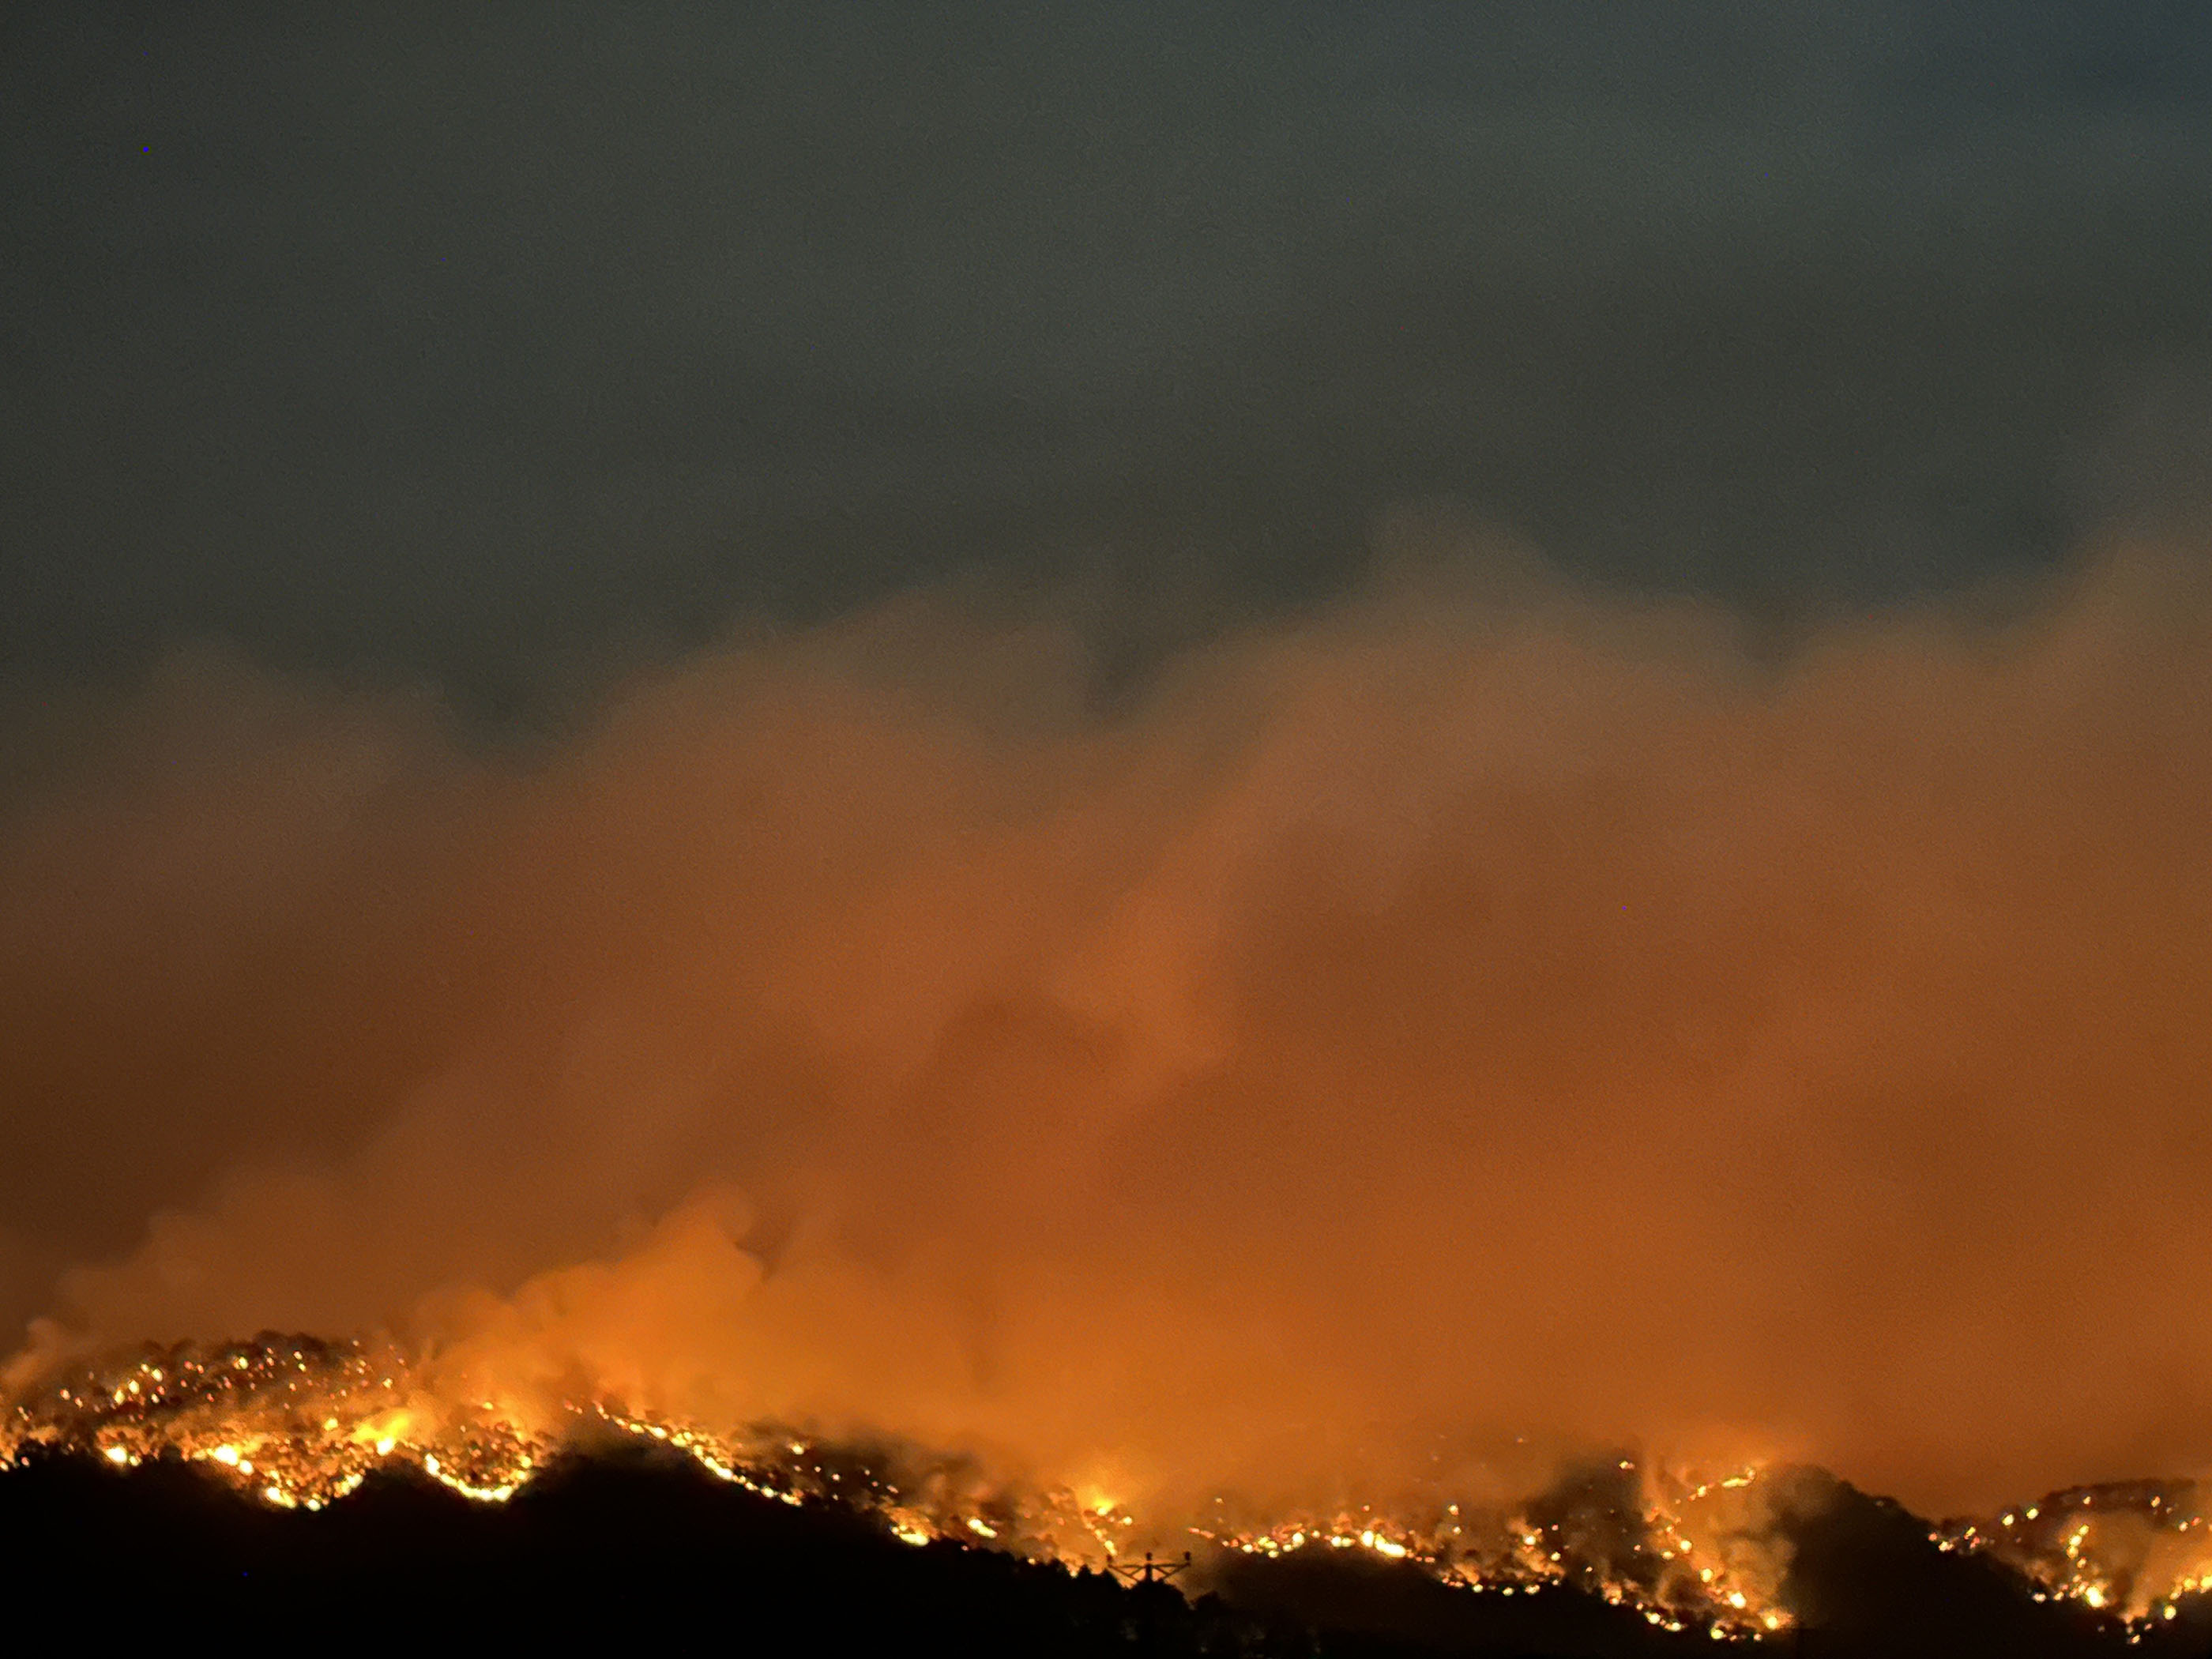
(623, 1546)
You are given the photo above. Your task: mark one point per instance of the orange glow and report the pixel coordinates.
(1391, 1057)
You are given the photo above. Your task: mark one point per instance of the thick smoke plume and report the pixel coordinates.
(1475, 1015)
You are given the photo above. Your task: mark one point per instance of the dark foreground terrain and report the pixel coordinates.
(620, 1550)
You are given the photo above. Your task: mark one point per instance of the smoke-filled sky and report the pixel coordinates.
(1216, 743)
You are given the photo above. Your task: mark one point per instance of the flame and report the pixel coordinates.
(300, 1423)
(2135, 1550)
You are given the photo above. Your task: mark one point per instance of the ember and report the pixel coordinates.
(299, 1423)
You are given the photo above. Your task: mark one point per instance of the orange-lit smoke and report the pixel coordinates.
(1456, 1015)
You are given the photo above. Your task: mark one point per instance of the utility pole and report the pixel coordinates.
(1149, 1572)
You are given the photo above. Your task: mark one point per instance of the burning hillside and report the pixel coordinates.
(299, 1423)
(2140, 1549)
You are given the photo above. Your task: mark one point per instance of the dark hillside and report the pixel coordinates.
(622, 1549)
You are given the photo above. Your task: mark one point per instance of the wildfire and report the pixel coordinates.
(2134, 1550)
(299, 1423)
(1622, 1533)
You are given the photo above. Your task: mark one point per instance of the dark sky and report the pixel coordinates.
(479, 350)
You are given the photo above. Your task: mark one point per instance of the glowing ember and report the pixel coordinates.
(2134, 1549)
(300, 1423)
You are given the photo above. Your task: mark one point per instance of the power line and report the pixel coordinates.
(1149, 1572)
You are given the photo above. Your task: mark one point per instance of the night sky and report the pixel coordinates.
(492, 350)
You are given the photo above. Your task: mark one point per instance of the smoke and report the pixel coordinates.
(1478, 1013)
